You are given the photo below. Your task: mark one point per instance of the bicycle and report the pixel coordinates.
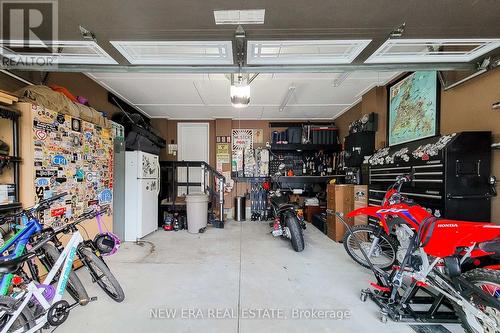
(47, 253)
(51, 309)
(89, 253)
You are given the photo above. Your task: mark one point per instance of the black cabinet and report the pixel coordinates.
(357, 146)
(451, 174)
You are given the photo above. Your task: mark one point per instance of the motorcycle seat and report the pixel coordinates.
(491, 246)
(286, 205)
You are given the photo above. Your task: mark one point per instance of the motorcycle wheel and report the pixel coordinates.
(385, 256)
(489, 281)
(296, 236)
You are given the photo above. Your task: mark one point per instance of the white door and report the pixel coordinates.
(193, 145)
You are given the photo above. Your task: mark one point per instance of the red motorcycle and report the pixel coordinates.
(433, 254)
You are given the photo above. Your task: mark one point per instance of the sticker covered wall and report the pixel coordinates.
(71, 155)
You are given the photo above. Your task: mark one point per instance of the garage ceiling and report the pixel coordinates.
(284, 19)
(156, 23)
(206, 96)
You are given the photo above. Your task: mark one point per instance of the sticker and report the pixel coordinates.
(60, 119)
(79, 175)
(92, 202)
(45, 126)
(76, 125)
(90, 176)
(106, 196)
(45, 173)
(41, 134)
(41, 182)
(59, 160)
(61, 180)
(58, 212)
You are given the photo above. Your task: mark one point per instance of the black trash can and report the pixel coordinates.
(239, 209)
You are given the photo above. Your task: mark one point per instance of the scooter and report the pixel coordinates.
(288, 217)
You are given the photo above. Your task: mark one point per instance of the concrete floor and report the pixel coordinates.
(239, 267)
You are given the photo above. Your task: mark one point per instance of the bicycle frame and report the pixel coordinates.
(20, 240)
(65, 261)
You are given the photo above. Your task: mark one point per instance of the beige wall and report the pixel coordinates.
(463, 108)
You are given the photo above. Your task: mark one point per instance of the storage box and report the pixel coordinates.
(360, 201)
(7, 193)
(294, 134)
(330, 196)
(344, 203)
(324, 135)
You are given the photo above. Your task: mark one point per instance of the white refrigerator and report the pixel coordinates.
(142, 186)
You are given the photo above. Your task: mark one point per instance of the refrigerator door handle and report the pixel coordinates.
(158, 176)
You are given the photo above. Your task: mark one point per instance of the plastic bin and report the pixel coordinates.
(294, 134)
(197, 212)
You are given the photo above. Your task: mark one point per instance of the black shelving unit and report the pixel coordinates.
(305, 147)
(14, 159)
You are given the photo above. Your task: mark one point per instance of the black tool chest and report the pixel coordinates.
(450, 174)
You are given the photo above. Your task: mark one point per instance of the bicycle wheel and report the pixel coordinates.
(102, 275)
(383, 254)
(25, 320)
(74, 287)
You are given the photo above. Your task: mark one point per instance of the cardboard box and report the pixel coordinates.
(330, 196)
(360, 201)
(344, 203)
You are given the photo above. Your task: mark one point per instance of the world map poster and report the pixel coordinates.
(413, 107)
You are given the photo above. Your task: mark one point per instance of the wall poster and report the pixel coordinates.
(242, 139)
(71, 155)
(413, 108)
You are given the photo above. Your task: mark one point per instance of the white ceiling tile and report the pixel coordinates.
(145, 91)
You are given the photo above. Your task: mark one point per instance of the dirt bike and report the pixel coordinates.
(288, 217)
(435, 254)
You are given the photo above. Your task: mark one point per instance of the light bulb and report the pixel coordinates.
(240, 95)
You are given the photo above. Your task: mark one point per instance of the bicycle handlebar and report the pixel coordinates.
(41, 205)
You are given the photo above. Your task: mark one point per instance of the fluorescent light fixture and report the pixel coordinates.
(176, 52)
(432, 50)
(287, 98)
(304, 52)
(248, 16)
(55, 52)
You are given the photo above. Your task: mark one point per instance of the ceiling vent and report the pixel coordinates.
(432, 50)
(235, 17)
(304, 52)
(176, 52)
(55, 52)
